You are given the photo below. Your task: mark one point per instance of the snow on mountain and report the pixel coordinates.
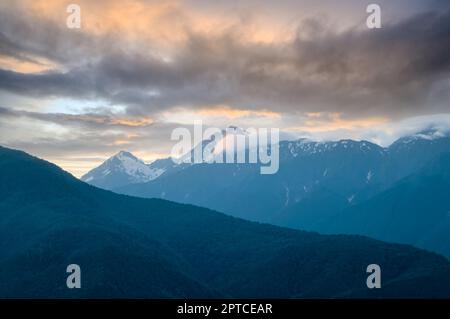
(122, 169)
(428, 135)
(236, 130)
(136, 167)
(304, 146)
(216, 146)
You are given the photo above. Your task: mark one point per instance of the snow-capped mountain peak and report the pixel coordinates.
(424, 137)
(129, 163)
(306, 147)
(430, 134)
(235, 130)
(124, 154)
(121, 169)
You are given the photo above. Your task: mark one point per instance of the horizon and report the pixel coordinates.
(401, 132)
(309, 140)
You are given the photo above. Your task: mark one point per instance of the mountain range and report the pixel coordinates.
(150, 248)
(319, 183)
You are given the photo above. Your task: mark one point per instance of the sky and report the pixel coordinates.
(136, 70)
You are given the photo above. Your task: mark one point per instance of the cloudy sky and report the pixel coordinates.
(135, 70)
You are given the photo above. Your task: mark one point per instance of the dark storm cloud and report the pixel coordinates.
(24, 36)
(399, 70)
(72, 84)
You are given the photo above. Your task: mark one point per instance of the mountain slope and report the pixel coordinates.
(131, 247)
(411, 153)
(44, 229)
(416, 210)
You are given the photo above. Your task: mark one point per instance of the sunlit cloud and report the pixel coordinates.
(127, 140)
(233, 113)
(326, 122)
(26, 65)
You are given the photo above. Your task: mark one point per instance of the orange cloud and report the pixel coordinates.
(100, 119)
(325, 122)
(132, 122)
(166, 22)
(230, 113)
(128, 139)
(31, 65)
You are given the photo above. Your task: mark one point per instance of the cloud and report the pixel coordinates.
(400, 70)
(230, 113)
(79, 142)
(380, 131)
(89, 119)
(331, 122)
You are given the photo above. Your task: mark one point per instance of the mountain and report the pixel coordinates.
(345, 167)
(411, 153)
(415, 210)
(315, 181)
(122, 169)
(133, 247)
(351, 170)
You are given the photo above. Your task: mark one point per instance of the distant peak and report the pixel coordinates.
(125, 154)
(427, 134)
(232, 129)
(431, 133)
